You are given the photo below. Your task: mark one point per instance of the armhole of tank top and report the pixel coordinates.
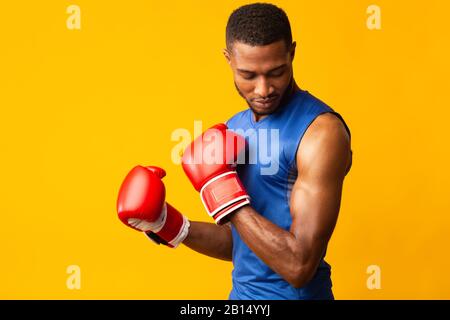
(293, 161)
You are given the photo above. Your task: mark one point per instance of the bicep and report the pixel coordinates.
(322, 161)
(314, 207)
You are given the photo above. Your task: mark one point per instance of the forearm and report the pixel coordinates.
(278, 248)
(210, 239)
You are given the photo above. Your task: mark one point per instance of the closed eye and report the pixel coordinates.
(276, 74)
(247, 75)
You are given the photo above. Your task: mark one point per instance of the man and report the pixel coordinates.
(274, 227)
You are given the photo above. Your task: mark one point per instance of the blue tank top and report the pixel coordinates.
(269, 184)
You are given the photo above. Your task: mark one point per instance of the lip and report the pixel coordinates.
(266, 103)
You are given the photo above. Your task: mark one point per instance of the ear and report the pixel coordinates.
(227, 55)
(292, 50)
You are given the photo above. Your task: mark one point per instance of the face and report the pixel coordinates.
(262, 74)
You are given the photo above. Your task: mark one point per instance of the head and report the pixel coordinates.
(260, 51)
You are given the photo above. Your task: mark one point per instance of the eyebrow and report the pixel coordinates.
(271, 70)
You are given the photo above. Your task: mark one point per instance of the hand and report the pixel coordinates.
(209, 163)
(141, 205)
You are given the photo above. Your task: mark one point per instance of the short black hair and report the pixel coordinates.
(258, 24)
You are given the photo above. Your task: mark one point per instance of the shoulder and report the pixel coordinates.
(328, 126)
(326, 141)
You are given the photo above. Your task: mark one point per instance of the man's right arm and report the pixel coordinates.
(210, 239)
(141, 205)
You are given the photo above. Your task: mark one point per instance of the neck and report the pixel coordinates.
(292, 88)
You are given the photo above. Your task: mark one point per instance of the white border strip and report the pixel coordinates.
(184, 231)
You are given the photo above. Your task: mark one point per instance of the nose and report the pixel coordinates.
(263, 87)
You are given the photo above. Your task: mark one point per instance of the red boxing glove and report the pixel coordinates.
(209, 162)
(141, 205)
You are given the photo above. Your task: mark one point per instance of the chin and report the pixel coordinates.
(263, 111)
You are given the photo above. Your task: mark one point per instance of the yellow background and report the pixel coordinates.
(79, 108)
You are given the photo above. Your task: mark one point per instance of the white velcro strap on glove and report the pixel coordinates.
(184, 231)
(145, 225)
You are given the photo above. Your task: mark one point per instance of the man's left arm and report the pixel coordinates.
(323, 159)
